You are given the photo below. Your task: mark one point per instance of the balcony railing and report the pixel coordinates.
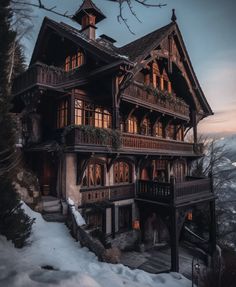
(38, 74)
(103, 193)
(165, 103)
(135, 141)
(174, 193)
(127, 141)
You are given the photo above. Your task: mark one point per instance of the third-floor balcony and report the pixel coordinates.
(163, 102)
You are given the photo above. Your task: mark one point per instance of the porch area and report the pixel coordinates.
(158, 260)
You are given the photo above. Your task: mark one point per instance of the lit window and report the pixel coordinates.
(132, 125)
(62, 114)
(98, 118)
(78, 112)
(158, 129)
(67, 64)
(74, 61)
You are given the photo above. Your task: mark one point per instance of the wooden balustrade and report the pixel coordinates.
(155, 191)
(38, 74)
(119, 192)
(136, 141)
(193, 187)
(97, 194)
(129, 141)
(167, 102)
(174, 193)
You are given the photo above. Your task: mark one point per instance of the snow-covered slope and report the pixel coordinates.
(52, 245)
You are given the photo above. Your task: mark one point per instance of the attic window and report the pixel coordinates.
(74, 61)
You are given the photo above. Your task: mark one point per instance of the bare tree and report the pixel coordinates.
(216, 163)
(121, 5)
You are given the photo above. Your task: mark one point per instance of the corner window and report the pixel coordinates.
(62, 114)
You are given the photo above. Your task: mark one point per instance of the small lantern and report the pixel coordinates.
(136, 225)
(190, 216)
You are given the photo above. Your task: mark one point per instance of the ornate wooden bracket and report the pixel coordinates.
(81, 167)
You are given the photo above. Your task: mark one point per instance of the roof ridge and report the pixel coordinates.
(146, 35)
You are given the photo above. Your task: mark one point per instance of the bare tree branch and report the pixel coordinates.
(120, 17)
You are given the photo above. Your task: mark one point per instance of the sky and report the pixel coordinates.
(208, 28)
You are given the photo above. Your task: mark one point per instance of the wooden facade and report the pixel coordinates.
(107, 126)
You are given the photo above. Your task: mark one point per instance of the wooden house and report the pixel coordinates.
(106, 126)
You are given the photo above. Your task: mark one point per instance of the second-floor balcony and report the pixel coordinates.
(190, 190)
(44, 76)
(138, 93)
(108, 141)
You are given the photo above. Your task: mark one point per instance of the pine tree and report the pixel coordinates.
(14, 223)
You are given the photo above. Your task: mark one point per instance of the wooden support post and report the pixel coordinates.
(115, 104)
(194, 120)
(174, 241)
(212, 227)
(113, 227)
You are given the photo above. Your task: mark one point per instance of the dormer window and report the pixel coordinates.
(74, 61)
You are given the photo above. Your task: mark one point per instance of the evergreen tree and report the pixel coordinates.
(14, 223)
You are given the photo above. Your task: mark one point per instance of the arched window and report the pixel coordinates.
(132, 125)
(94, 175)
(122, 172)
(158, 129)
(146, 127)
(74, 61)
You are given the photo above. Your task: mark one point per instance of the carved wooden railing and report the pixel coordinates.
(174, 193)
(103, 193)
(96, 194)
(155, 191)
(38, 74)
(80, 137)
(193, 187)
(166, 103)
(136, 141)
(122, 191)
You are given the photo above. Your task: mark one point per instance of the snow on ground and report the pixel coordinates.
(51, 244)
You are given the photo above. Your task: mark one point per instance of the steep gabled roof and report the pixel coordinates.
(139, 49)
(108, 54)
(136, 49)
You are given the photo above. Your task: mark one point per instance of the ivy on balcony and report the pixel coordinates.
(93, 134)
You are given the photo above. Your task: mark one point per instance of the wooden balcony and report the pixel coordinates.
(104, 193)
(132, 143)
(38, 75)
(176, 194)
(168, 104)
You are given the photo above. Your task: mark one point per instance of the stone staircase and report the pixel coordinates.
(52, 209)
